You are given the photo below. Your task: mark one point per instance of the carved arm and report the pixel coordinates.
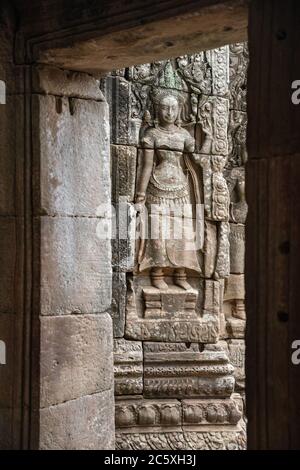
(142, 183)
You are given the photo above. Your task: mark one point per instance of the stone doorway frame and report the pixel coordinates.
(200, 25)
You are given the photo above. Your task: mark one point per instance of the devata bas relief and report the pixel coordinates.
(178, 146)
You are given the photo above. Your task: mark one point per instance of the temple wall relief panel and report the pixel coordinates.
(178, 153)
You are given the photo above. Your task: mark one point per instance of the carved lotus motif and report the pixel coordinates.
(235, 415)
(216, 414)
(193, 414)
(124, 416)
(146, 415)
(170, 415)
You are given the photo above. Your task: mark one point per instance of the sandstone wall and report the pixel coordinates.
(179, 358)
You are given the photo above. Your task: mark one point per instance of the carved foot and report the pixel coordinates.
(157, 279)
(182, 283)
(159, 284)
(180, 279)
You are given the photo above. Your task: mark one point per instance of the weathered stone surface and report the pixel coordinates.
(214, 440)
(76, 357)
(117, 92)
(172, 302)
(71, 150)
(212, 297)
(235, 328)
(8, 253)
(238, 63)
(236, 350)
(146, 415)
(55, 81)
(124, 239)
(209, 412)
(118, 303)
(219, 62)
(75, 266)
(86, 423)
(210, 248)
(149, 34)
(192, 325)
(128, 367)
(223, 258)
(220, 193)
(237, 248)
(141, 413)
(213, 115)
(203, 330)
(173, 370)
(237, 131)
(124, 160)
(170, 321)
(235, 287)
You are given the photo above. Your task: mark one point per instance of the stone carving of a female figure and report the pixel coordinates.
(165, 187)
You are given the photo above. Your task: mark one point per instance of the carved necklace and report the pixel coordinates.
(167, 131)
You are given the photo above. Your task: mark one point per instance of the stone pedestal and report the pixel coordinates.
(172, 303)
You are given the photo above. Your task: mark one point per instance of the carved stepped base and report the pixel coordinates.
(174, 315)
(172, 302)
(178, 371)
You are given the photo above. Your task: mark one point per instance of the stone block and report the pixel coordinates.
(118, 303)
(182, 440)
(237, 248)
(71, 156)
(128, 367)
(235, 287)
(117, 91)
(237, 136)
(177, 371)
(210, 248)
(140, 413)
(238, 60)
(179, 325)
(235, 328)
(219, 62)
(124, 239)
(213, 115)
(55, 81)
(124, 161)
(210, 412)
(212, 296)
(205, 330)
(75, 266)
(236, 351)
(76, 357)
(86, 423)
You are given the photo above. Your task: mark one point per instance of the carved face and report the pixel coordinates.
(168, 110)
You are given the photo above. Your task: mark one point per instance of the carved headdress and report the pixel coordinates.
(169, 83)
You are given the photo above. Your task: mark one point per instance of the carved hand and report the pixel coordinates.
(196, 158)
(140, 198)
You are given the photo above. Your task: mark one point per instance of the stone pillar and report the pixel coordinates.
(273, 236)
(11, 237)
(72, 370)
